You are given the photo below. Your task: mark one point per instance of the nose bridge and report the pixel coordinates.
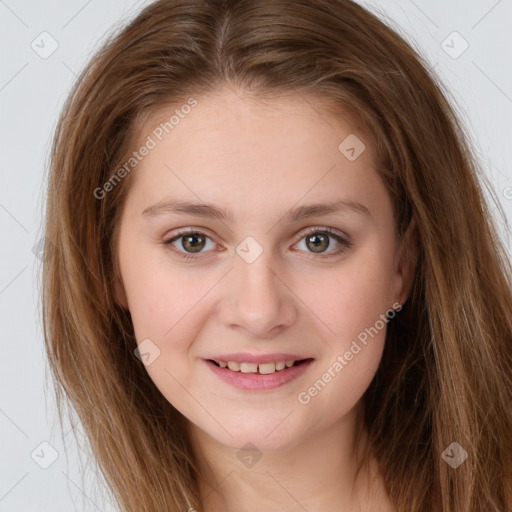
(258, 300)
(258, 277)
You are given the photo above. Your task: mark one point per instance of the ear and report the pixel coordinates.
(405, 264)
(119, 293)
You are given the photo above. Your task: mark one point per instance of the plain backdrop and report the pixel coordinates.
(44, 45)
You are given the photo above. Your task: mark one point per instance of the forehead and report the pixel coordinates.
(241, 150)
(260, 117)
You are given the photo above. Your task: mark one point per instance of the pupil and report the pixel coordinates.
(195, 242)
(319, 242)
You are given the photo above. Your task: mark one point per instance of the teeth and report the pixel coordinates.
(248, 367)
(267, 368)
(233, 366)
(262, 368)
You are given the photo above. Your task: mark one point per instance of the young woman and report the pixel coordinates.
(275, 283)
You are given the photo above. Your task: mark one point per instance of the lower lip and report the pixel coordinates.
(257, 382)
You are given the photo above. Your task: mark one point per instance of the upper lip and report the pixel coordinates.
(258, 358)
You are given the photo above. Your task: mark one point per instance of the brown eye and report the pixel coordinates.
(317, 242)
(194, 242)
(319, 239)
(188, 244)
(191, 244)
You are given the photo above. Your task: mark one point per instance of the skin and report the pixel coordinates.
(260, 160)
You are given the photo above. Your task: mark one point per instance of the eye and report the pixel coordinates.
(191, 242)
(317, 241)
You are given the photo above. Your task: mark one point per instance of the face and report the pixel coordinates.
(254, 275)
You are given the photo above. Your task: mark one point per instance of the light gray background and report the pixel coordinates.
(32, 91)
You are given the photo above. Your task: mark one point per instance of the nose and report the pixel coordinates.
(257, 300)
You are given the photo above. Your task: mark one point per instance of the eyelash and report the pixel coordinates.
(344, 244)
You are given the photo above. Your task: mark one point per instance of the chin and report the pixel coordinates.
(268, 436)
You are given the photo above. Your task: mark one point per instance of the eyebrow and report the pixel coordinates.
(207, 210)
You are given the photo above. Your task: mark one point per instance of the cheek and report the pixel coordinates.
(166, 308)
(160, 293)
(353, 304)
(339, 385)
(353, 296)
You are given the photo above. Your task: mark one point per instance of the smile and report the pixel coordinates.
(262, 368)
(258, 376)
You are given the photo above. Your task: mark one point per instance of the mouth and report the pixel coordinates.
(259, 376)
(259, 368)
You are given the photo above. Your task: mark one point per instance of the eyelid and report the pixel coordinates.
(341, 238)
(168, 241)
(322, 229)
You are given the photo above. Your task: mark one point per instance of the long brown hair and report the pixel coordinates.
(446, 371)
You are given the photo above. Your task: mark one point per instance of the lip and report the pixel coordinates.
(255, 381)
(240, 357)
